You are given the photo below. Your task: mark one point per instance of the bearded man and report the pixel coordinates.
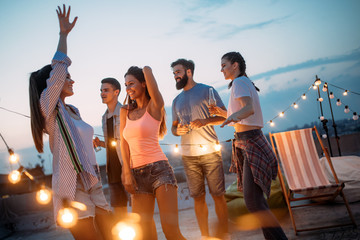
(201, 159)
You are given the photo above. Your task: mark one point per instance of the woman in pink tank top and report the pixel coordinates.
(146, 172)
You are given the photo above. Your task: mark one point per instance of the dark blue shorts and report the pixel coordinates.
(152, 176)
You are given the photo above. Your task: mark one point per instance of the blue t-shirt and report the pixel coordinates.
(189, 106)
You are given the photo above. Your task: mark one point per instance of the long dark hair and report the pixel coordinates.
(131, 104)
(37, 83)
(233, 57)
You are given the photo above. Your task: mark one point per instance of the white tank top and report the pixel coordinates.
(86, 133)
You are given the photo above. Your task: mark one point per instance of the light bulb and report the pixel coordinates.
(14, 176)
(321, 118)
(355, 116)
(176, 149)
(217, 146)
(314, 87)
(324, 89)
(317, 81)
(124, 231)
(13, 158)
(281, 114)
(204, 148)
(272, 123)
(338, 102)
(113, 143)
(67, 217)
(320, 99)
(331, 95)
(324, 136)
(43, 196)
(345, 93)
(295, 105)
(303, 96)
(346, 110)
(128, 228)
(127, 233)
(78, 205)
(31, 177)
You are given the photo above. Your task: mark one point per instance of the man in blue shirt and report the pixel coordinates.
(193, 122)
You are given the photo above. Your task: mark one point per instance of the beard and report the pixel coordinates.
(182, 83)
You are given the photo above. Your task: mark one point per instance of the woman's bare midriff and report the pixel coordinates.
(243, 128)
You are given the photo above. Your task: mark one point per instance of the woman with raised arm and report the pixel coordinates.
(253, 159)
(75, 171)
(147, 173)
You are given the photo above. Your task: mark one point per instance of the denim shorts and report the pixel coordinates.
(208, 166)
(152, 176)
(92, 198)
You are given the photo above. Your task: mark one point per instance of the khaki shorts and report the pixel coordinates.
(93, 198)
(199, 168)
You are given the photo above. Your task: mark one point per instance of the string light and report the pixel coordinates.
(324, 136)
(325, 87)
(203, 147)
(314, 87)
(14, 176)
(126, 232)
(303, 96)
(28, 175)
(345, 93)
(338, 102)
(128, 228)
(320, 99)
(272, 123)
(43, 196)
(281, 114)
(78, 205)
(317, 81)
(355, 116)
(176, 148)
(217, 146)
(295, 105)
(67, 217)
(322, 118)
(113, 143)
(13, 158)
(346, 110)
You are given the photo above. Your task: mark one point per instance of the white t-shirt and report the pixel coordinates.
(86, 133)
(243, 87)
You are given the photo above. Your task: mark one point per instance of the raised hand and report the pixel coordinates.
(65, 25)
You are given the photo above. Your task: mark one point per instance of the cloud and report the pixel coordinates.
(292, 76)
(204, 4)
(202, 19)
(353, 56)
(221, 31)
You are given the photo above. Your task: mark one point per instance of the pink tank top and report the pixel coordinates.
(142, 136)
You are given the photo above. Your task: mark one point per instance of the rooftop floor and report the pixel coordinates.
(38, 225)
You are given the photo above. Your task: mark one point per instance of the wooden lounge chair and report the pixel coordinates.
(300, 167)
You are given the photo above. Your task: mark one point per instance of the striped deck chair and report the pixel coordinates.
(306, 180)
